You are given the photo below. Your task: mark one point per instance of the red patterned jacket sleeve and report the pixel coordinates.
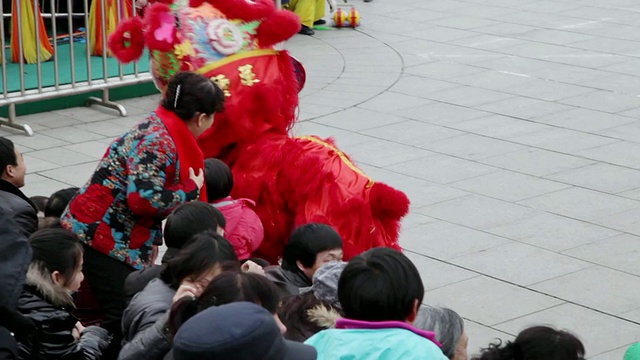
(149, 192)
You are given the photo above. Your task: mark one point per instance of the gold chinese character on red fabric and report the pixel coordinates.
(223, 83)
(247, 77)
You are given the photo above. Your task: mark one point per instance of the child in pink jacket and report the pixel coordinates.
(244, 229)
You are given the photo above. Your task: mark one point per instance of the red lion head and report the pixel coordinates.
(232, 43)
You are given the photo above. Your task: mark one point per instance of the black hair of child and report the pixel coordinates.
(202, 253)
(218, 178)
(306, 242)
(190, 219)
(381, 284)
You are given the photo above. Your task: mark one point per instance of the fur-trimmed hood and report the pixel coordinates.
(304, 315)
(46, 305)
(323, 316)
(39, 278)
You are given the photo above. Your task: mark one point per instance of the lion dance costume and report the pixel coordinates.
(293, 180)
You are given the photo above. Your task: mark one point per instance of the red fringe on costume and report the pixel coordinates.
(298, 180)
(245, 10)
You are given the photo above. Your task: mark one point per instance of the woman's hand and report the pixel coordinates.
(186, 289)
(251, 267)
(77, 330)
(198, 179)
(155, 250)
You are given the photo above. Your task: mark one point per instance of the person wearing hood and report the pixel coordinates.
(317, 307)
(55, 272)
(243, 228)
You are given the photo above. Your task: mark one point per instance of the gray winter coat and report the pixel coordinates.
(19, 207)
(15, 256)
(144, 323)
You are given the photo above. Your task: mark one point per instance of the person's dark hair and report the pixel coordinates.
(7, 154)
(56, 250)
(536, 343)
(191, 219)
(199, 255)
(189, 93)
(228, 287)
(381, 284)
(306, 242)
(218, 178)
(58, 202)
(445, 323)
(49, 223)
(40, 202)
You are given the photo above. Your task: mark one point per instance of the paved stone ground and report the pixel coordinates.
(511, 124)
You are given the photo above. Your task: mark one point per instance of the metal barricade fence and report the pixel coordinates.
(74, 82)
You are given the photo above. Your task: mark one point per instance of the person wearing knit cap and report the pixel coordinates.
(254, 335)
(325, 282)
(317, 307)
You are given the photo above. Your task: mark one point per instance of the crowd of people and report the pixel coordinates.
(79, 279)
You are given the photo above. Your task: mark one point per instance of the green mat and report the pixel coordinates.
(65, 70)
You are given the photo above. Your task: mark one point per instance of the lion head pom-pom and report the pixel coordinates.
(127, 42)
(278, 27)
(160, 32)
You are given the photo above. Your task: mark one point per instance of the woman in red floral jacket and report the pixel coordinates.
(142, 177)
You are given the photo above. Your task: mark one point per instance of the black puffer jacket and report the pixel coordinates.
(44, 304)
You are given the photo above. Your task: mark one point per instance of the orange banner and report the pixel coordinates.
(29, 17)
(96, 27)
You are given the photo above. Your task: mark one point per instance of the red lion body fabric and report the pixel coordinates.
(293, 180)
(299, 180)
